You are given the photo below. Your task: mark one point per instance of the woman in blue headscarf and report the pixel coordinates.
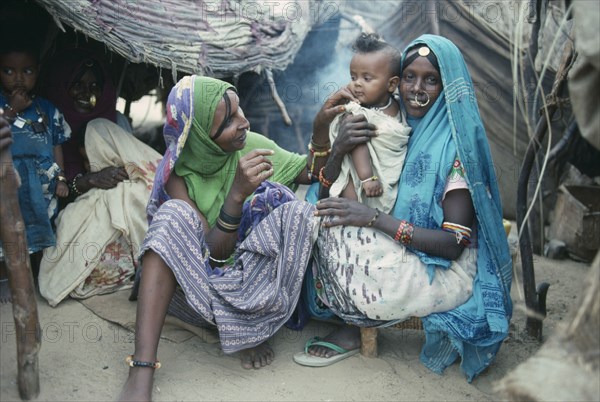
(441, 254)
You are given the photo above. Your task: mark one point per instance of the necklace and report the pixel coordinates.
(382, 108)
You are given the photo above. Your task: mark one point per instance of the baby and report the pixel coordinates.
(374, 168)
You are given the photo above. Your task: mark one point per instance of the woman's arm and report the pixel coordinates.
(319, 142)
(253, 168)
(457, 207)
(221, 244)
(353, 130)
(105, 179)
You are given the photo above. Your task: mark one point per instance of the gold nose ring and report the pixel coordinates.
(422, 104)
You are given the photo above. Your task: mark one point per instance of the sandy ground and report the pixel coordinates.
(82, 359)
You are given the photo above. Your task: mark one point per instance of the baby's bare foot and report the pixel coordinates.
(257, 357)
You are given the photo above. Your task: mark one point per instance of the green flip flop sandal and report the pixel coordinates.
(306, 359)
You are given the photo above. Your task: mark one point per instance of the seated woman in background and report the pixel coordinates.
(110, 173)
(78, 82)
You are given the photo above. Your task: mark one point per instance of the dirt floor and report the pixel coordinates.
(82, 358)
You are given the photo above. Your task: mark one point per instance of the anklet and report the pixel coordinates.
(136, 363)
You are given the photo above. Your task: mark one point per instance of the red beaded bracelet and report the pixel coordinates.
(326, 183)
(405, 232)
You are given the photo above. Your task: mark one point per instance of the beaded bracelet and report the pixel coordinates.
(136, 363)
(74, 185)
(405, 232)
(372, 221)
(315, 154)
(326, 183)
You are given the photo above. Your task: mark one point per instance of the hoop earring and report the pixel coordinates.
(422, 104)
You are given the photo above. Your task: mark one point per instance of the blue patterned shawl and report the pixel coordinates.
(453, 127)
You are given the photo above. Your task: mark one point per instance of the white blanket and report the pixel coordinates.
(100, 217)
(387, 151)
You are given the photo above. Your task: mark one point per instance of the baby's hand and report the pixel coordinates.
(62, 190)
(373, 188)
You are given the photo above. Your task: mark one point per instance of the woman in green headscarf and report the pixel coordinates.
(198, 263)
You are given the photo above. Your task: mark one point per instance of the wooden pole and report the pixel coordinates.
(20, 278)
(368, 342)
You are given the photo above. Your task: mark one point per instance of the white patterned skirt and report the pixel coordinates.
(369, 279)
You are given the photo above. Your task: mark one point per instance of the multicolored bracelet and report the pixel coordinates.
(462, 233)
(324, 182)
(405, 232)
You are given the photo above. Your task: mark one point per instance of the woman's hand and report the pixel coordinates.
(333, 106)
(354, 130)
(344, 212)
(62, 190)
(108, 177)
(253, 168)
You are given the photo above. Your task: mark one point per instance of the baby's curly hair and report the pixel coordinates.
(373, 42)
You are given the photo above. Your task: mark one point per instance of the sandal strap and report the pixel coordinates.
(316, 341)
(137, 363)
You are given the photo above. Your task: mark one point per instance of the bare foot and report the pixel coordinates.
(5, 296)
(138, 386)
(348, 337)
(257, 357)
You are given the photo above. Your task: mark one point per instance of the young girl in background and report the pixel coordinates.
(38, 130)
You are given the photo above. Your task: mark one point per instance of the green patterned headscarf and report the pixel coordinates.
(209, 171)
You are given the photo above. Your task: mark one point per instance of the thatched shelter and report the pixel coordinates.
(220, 39)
